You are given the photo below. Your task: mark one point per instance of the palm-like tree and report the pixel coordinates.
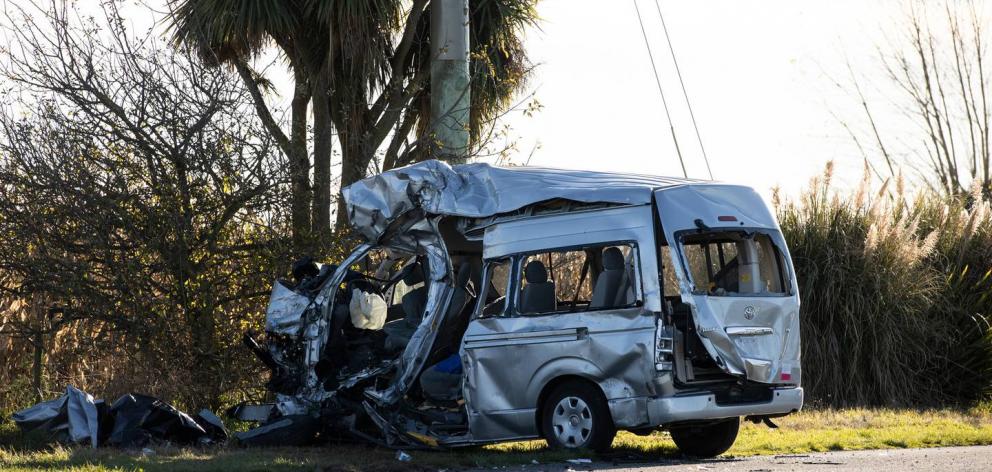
(365, 67)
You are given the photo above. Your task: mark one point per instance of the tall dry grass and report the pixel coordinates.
(896, 294)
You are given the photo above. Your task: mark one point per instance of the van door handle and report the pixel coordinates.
(749, 331)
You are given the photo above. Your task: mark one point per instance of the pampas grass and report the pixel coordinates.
(896, 294)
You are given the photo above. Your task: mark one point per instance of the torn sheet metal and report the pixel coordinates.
(292, 430)
(480, 190)
(132, 421)
(411, 362)
(285, 312)
(73, 414)
(139, 419)
(212, 424)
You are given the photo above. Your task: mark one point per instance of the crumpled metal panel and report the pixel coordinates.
(758, 356)
(510, 360)
(425, 235)
(83, 416)
(138, 419)
(133, 420)
(75, 411)
(761, 358)
(39, 414)
(480, 190)
(285, 312)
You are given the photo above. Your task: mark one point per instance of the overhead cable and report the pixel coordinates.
(682, 83)
(664, 103)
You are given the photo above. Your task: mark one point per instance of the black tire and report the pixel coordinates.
(588, 422)
(709, 440)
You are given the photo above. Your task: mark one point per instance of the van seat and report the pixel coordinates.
(613, 284)
(538, 296)
(399, 332)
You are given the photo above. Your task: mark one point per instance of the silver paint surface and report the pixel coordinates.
(765, 346)
(285, 312)
(509, 361)
(480, 190)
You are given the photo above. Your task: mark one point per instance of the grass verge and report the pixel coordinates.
(810, 431)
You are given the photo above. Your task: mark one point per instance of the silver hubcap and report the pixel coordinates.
(572, 422)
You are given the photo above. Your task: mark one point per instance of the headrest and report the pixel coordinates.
(612, 259)
(535, 273)
(305, 267)
(413, 274)
(463, 275)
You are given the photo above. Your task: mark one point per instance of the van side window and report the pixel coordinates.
(575, 280)
(492, 299)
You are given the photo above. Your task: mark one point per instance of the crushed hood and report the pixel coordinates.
(480, 190)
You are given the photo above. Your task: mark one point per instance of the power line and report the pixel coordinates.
(664, 103)
(684, 93)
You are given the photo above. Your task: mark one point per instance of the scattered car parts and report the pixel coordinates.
(133, 420)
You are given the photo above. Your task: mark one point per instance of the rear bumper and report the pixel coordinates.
(630, 413)
(704, 407)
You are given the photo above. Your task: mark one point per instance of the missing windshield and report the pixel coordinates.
(734, 263)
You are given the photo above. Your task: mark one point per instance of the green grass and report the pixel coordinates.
(811, 431)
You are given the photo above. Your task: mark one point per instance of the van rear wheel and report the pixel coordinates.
(708, 440)
(575, 416)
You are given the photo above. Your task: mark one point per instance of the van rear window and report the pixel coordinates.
(734, 263)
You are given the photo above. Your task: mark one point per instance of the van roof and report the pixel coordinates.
(480, 190)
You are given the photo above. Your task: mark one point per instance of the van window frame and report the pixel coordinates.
(487, 274)
(774, 235)
(517, 274)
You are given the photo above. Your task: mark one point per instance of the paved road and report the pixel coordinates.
(977, 458)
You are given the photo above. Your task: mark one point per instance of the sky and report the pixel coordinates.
(759, 76)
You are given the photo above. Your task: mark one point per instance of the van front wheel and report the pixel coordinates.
(575, 416)
(708, 440)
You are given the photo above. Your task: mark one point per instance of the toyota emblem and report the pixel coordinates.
(749, 313)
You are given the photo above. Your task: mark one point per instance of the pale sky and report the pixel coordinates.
(757, 74)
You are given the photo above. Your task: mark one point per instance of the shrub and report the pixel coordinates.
(895, 294)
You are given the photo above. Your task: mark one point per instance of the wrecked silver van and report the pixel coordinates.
(495, 304)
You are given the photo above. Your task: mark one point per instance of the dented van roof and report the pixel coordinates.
(480, 190)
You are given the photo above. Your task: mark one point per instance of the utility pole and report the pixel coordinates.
(450, 85)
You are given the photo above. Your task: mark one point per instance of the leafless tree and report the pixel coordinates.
(941, 69)
(142, 207)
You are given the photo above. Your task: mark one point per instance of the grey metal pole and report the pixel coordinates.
(450, 87)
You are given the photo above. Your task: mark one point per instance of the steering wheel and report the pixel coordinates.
(364, 285)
